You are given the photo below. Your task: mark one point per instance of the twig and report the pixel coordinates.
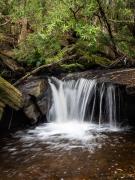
(5, 23)
(9, 126)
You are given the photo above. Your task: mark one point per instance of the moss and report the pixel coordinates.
(91, 60)
(72, 67)
(102, 61)
(2, 37)
(10, 95)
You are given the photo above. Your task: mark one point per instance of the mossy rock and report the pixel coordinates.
(89, 60)
(72, 67)
(102, 61)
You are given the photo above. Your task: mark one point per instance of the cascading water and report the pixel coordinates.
(77, 101)
(81, 111)
(70, 100)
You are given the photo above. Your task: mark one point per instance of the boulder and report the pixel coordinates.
(35, 92)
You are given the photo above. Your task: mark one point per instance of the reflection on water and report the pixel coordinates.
(68, 151)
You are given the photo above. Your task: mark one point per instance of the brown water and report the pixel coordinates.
(107, 156)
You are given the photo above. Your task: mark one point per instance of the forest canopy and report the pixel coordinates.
(36, 32)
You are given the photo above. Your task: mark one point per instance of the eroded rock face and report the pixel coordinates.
(36, 93)
(124, 77)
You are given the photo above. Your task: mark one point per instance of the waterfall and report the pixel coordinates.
(82, 100)
(80, 112)
(111, 105)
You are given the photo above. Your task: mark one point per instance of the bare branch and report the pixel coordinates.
(75, 12)
(5, 23)
(121, 21)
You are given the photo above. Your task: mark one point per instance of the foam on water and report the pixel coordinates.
(67, 135)
(74, 102)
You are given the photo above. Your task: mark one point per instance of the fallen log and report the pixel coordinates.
(9, 62)
(9, 95)
(63, 60)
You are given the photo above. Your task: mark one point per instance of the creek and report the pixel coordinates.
(83, 138)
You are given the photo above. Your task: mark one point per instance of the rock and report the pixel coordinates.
(125, 77)
(33, 87)
(35, 92)
(32, 113)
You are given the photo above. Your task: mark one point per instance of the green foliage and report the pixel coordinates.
(50, 21)
(53, 23)
(35, 49)
(90, 60)
(60, 55)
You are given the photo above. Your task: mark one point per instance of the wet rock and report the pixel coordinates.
(124, 77)
(32, 113)
(36, 94)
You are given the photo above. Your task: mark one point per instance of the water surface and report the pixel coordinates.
(68, 151)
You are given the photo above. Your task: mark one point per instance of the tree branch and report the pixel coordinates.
(5, 23)
(75, 12)
(43, 67)
(121, 21)
(108, 26)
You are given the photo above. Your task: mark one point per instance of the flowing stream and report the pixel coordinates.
(82, 139)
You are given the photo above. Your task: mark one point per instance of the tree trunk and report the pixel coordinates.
(23, 34)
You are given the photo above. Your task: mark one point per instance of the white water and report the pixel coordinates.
(70, 100)
(77, 101)
(81, 112)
